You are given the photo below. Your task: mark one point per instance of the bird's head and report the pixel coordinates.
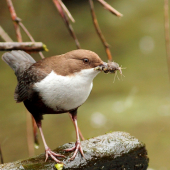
(78, 60)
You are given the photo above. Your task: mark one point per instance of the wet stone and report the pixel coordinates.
(112, 151)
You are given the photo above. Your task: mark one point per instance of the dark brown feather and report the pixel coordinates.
(26, 81)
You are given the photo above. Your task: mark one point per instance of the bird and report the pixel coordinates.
(54, 85)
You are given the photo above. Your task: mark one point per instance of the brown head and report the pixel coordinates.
(71, 62)
(82, 59)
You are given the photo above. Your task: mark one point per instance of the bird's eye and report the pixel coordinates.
(85, 60)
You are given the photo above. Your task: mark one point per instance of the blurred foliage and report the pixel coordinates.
(138, 103)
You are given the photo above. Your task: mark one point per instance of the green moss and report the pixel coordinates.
(59, 166)
(45, 48)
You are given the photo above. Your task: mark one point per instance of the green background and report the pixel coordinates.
(137, 103)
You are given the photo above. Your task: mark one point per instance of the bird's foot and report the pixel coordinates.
(52, 154)
(76, 148)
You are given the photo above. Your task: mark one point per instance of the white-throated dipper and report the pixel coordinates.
(54, 85)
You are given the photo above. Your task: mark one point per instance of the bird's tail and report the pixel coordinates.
(18, 60)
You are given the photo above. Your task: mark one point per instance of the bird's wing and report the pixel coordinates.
(26, 80)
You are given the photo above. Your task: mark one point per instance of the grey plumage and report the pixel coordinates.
(18, 60)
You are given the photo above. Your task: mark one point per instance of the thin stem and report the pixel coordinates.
(66, 11)
(30, 36)
(26, 46)
(4, 35)
(17, 23)
(167, 40)
(110, 8)
(1, 157)
(15, 19)
(29, 135)
(96, 25)
(66, 20)
(26, 31)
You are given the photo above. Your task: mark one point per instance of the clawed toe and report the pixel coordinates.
(77, 148)
(70, 149)
(52, 154)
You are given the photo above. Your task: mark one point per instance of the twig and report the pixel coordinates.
(15, 19)
(26, 46)
(30, 36)
(110, 8)
(66, 11)
(66, 20)
(1, 156)
(167, 40)
(64, 15)
(17, 22)
(29, 135)
(4, 35)
(96, 25)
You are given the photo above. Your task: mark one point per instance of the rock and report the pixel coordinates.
(112, 151)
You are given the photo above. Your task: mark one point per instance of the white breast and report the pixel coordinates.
(66, 92)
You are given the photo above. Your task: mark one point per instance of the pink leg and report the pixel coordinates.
(81, 135)
(48, 151)
(77, 144)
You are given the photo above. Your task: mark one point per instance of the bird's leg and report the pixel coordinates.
(36, 142)
(77, 144)
(48, 151)
(81, 135)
